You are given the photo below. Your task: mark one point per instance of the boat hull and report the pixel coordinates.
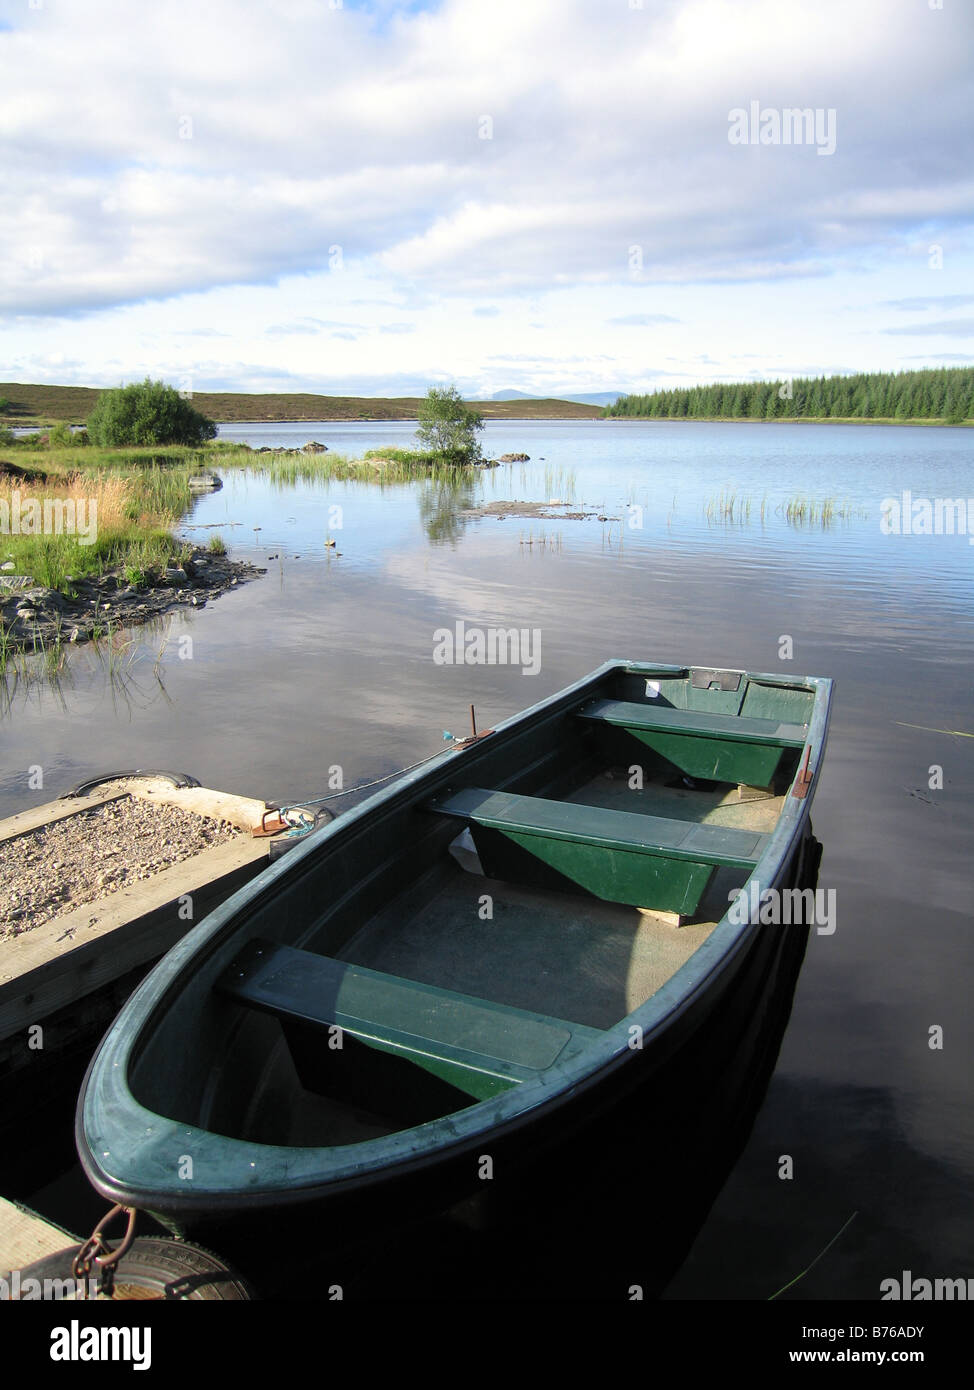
(241, 1193)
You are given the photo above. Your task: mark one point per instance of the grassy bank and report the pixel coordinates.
(41, 405)
(125, 503)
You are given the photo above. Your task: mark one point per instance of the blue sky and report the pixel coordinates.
(539, 194)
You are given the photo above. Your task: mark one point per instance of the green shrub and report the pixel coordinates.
(447, 427)
(147, 413)
(59, 436)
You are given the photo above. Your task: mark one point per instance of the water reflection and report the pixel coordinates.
(441, 504)
(127, 666)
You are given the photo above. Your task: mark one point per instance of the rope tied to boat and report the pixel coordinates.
(297, 806)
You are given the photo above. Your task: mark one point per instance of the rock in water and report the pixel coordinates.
(204, 482)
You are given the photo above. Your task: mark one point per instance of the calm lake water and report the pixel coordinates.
(329, 659)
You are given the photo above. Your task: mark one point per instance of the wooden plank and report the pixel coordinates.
(26, 1237)
(242, 811)
(52, 812)
(74, 954)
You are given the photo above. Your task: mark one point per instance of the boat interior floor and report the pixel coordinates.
(568, 956)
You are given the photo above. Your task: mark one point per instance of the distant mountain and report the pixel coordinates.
(593, 398)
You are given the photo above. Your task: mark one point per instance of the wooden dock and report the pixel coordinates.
(26, 1237)
(67, 974)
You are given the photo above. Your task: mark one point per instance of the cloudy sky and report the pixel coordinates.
(360, 196)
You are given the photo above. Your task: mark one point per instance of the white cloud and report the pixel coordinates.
(319, 127)
(941, 328)
(288, 174)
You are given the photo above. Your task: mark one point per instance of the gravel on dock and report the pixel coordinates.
(86, 857)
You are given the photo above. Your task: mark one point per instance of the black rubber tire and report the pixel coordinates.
(178, 779)
(157, 1267)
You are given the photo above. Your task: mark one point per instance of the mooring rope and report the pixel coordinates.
(359, 787)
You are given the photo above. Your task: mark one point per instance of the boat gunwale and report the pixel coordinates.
(293, 1174)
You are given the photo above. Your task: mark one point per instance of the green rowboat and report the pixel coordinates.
(467, 965)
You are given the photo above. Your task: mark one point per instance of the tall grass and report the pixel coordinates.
(127, 523)
(809, 511)
(377, 466)
(729, 509)
(798, 511)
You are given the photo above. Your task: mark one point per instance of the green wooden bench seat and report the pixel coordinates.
(644, 861)
(436, 1036)
(717, 747)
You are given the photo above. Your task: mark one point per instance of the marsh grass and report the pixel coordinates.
(728, 509)
(131, 502)
(809, 511)
(377, 466)
(44, 659)
(541, 541)
(798, 511)
(559, 483)
(45, 662)
(410, 458)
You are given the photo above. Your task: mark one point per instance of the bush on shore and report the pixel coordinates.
(147, 413)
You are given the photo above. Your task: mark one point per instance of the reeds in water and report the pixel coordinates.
(728, 509)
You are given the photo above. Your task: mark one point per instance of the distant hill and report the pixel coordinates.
(36, 405)
(593, 397)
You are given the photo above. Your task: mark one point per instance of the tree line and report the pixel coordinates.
(933, 393)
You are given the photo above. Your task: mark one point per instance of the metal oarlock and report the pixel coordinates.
(473, 736)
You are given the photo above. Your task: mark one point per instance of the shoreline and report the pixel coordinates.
(37, 621)
(925, 423)
(32, 426)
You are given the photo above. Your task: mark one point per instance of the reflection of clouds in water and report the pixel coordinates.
(519, 595)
